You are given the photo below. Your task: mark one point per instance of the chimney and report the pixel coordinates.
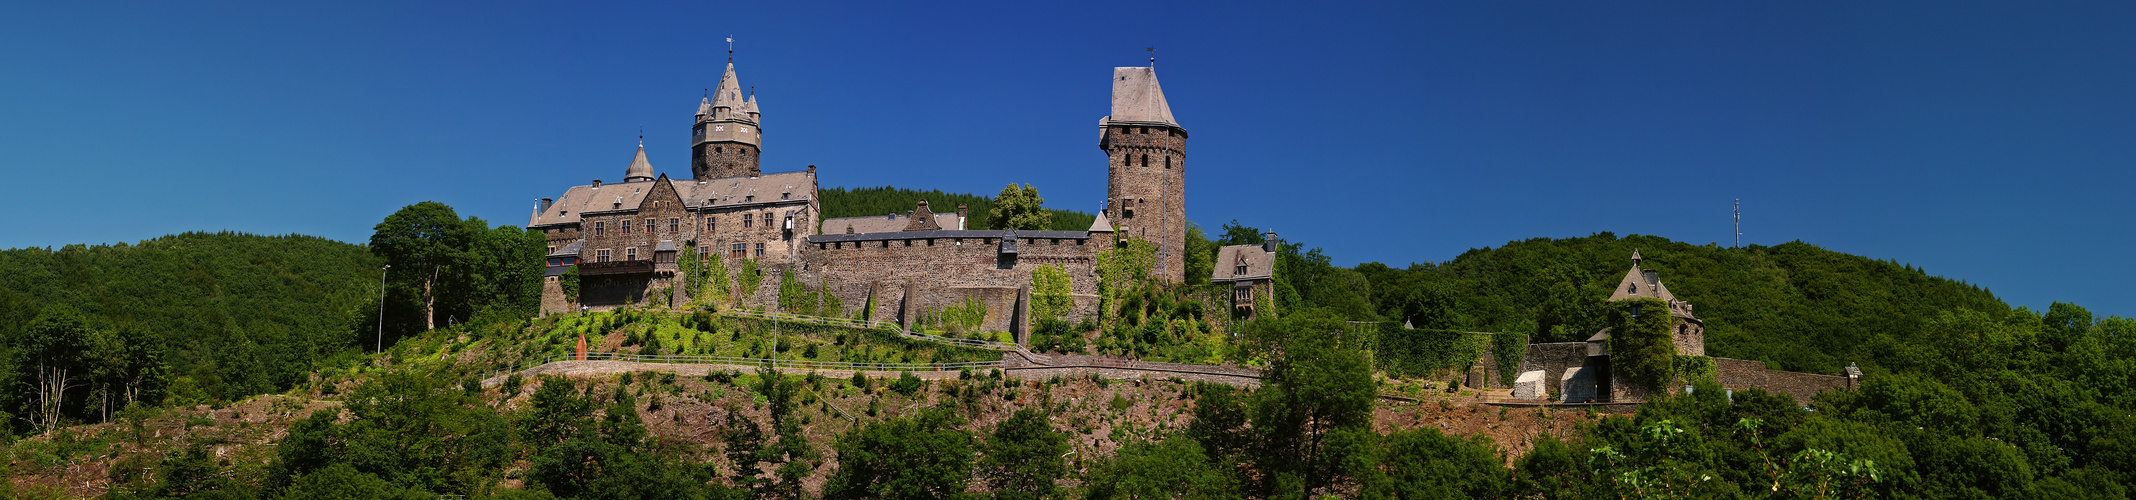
(1269, 242)
(964, 213)
(596, 183)
(545, 202)
(811, 170)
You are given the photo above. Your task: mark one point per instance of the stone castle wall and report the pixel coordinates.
(909, 275)
(1742, 374)
(1554, 359)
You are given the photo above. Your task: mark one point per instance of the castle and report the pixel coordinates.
(626, 238)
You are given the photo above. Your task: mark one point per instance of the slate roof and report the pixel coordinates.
(571, 250)
(1136, 97)
(1641, 283)
(948, 233)
(729, 92)
(885, 223)
(1260, 264)
(1101, 225)
(639, 169)
(768, 189)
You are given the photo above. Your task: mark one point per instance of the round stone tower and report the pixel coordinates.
(1147, 150)
(726, 138)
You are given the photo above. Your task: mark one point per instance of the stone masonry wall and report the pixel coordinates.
(715, 160)
(1554, 359)
(1741, 374)
(943, 272)
(1147, 187)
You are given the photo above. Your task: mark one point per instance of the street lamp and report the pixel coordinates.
(382, 307)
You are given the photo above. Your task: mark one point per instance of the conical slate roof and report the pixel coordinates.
(729, 92)
(639, 170)
(1136, 97)
(1101, 225)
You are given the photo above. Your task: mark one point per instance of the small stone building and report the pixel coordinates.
(1251, 272)
(1688, 334)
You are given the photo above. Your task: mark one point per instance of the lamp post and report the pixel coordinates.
(382, 308)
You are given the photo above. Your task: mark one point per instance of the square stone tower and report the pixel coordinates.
(1147, 152)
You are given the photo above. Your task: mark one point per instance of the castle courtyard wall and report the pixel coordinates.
(1741, 374)
(911, 274)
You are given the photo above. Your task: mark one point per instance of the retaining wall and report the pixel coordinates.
(1740, 374)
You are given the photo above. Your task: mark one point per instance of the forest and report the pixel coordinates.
(1963, 397)
(865, 201)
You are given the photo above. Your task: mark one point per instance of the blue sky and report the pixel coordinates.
(1990, 142)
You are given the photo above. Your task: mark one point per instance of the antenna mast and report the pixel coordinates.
(1739, 222)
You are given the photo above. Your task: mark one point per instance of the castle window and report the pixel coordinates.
(600, 255)
(760, 250)
(738, 251)
(652, 226)
(1144, 130)
(1167, 162)
(908, 243)
(703, 252)
(748, 220)
(630, 253)
(711, 224)
(1633, 289)
(600, 229)
(717, 149)
(626, 227)
(1145, 160)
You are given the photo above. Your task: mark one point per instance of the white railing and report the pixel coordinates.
(801, 364)
(854, 323)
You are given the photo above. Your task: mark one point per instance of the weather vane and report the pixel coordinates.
(1153, 55)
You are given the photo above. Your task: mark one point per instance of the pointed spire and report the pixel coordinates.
(1101, 225)
(1635, 258)
(639, 169)
(729, 91)
(1136, 97)
(704, 107)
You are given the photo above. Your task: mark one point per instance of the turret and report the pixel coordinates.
(639, 169)
(726, 139)
(1147, 168)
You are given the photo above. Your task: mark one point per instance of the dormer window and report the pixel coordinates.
(749, 198)
(1633, 289)
(786, 196)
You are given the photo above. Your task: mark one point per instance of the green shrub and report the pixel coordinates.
(907, 384)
